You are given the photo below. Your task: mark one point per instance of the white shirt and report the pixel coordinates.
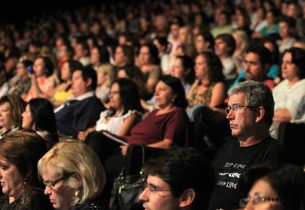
(112, 123)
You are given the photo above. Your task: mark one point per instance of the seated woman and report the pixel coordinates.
(162, 128)
(183, 69)
(289, 95)
(105, 76)
(19, 154)
(40, 117)
(42, 80)
(149, 63)
(280, 188)
(73, 175)
(125, 110)
(134, 73)
(210, 88)
(11, 107)
(21, 83)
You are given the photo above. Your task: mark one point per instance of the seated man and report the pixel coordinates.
(250, 111)
(257, 62)
(179, 179)
(83, 111)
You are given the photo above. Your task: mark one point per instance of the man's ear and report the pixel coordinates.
(88, 82)
(260, 113)
(187, 198)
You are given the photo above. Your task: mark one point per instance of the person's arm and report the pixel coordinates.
(153, 79)
(127, 124)
(282, 115)
(38, 92)
(175, 132)
(83, 134)
(163, 144)
(218, 94)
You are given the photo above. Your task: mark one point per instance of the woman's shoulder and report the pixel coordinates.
(31, 199)
(91, 205)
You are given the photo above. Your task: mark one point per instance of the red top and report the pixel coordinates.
(172, 125)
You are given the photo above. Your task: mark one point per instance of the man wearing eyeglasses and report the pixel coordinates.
(250, 111)
(180, 179)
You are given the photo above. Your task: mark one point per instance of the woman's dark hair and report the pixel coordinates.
(288, 181)
(298, 58)
(163, 42)
(176, 85)
(128, 52)
(275, 53)
(17, 107)
(43, 116)
(74, 65)
(208, 37)
(26, 63)
(135, 74)
(214, 66)
(104, 56)
(154, 53)
(230, 42)
(48, 65)
(23, 149)
(129, 95)
(188, 66)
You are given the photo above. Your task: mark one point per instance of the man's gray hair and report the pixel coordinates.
(257, 94)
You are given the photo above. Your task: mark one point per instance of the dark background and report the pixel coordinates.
(13, 11)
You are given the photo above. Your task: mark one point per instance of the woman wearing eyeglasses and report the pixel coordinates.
(280, 188)
(74, 177)
(19, 154)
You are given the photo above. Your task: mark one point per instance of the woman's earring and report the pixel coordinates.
(77, 194)
(24, 183)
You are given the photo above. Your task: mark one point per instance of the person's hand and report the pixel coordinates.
(124, 149)
(82, 135)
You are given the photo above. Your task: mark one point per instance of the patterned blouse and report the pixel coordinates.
(200, 98)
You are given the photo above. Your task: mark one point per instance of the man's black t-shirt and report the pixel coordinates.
(231, 162)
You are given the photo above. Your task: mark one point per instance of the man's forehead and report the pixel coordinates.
(156, 181)
(237, 98)
(251, 56)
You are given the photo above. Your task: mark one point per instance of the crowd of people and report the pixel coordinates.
(207, 82)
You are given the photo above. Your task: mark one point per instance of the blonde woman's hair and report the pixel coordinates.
(73, 157)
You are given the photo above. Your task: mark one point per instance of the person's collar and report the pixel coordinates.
(43, 134)
(84, 96)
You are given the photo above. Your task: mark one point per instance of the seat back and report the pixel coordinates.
(292, 136)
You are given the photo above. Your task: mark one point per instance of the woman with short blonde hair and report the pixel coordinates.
(73, 175)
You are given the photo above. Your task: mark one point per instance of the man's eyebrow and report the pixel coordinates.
(247, 61)
(152, 185)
